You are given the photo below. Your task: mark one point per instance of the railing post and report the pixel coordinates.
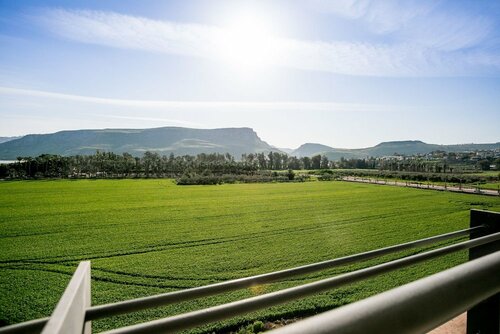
(484, 318)
(69, 314)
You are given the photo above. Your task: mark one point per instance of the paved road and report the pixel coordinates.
(424, 186)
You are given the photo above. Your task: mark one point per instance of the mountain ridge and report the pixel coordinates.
(389, 148)
(164, 140)
(188, 141)
(6, 139)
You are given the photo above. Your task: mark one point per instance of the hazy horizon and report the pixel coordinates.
(270, 143)
(350, 73)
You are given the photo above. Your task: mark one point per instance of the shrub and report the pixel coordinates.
(256, 327)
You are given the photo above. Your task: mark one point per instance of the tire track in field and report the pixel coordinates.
(172, 278)
(292, 280)
(361, 265)
(194, 243)
(337, 269)
(6, 236)
(103, 279)
(151, 248)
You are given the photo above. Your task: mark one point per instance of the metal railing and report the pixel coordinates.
(69, 314)
(416, 307)
(74, 313)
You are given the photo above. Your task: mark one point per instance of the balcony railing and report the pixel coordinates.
(415, 307)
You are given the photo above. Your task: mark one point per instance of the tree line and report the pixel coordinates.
(213, 167)
(154, 165)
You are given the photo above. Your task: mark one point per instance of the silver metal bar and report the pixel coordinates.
(220, 312)
(416, 307)
(69, 314)
(107, 310)
(28, 327)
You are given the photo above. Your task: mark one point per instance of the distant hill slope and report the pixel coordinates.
(6, 139)
(165, 140)
(288, 151)
(310, 149)
(182, 141)
(407, 147)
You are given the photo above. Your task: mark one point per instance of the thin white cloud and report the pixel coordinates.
(422, 51)
(124, 31)
(207, 105)
(421, 22)
(155, 119)
(447, 31)
(381, 16)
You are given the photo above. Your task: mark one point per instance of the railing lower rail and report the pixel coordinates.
(133, 305)
(484, 233)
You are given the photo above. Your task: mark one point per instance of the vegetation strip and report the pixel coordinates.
(271, 226)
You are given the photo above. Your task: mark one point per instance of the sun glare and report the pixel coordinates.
(247, 43)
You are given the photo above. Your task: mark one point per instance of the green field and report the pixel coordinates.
(151, 236)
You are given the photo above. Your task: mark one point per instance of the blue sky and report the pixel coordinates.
(346, 73)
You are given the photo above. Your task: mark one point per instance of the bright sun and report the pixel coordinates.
(247, 43)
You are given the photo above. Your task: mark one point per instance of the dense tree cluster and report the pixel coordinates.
(254, 167)
(208, 168)
(282, 161)
(109, 165)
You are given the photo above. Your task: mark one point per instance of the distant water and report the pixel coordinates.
(7, 161)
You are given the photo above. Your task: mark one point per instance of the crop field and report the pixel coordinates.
(151, 236)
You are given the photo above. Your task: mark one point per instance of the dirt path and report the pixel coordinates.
(423, 186)
(454, 326)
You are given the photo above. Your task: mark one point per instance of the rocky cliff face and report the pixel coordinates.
(166, 140)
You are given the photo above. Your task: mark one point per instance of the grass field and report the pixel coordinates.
(151, 236)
